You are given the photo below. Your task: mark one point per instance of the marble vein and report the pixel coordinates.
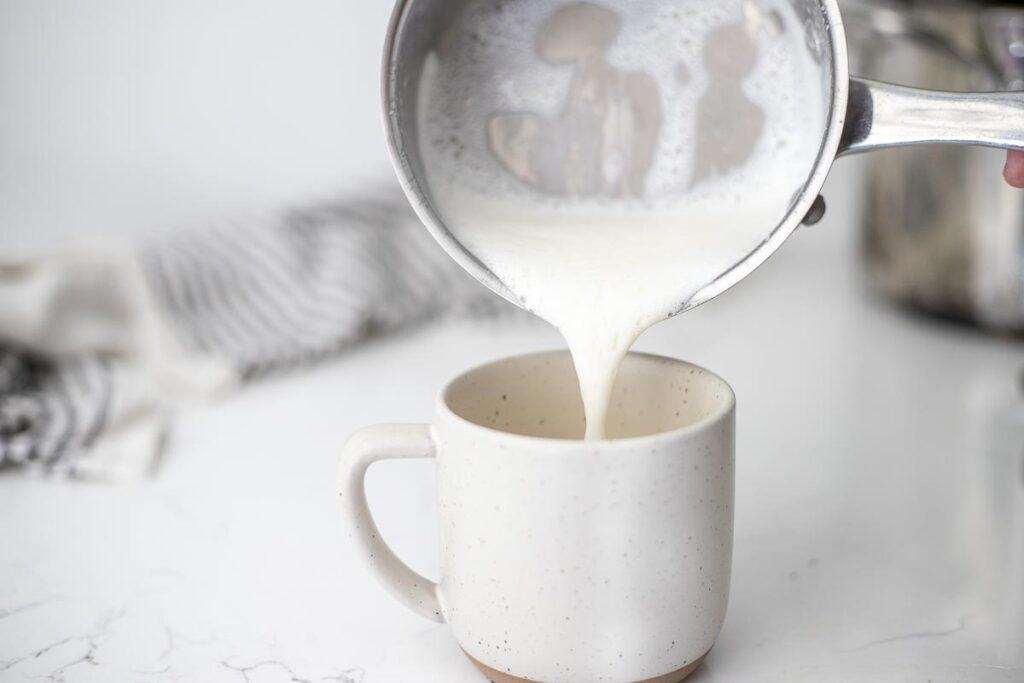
(915, 635)
(93, 639)
(7, 664)
(348, 676)
(18, 609)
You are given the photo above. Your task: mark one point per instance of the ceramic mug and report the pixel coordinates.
(565, 560)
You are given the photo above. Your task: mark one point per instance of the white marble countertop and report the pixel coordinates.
(880, 483)
(879, 528)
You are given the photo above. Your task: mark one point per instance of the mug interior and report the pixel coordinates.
(538, 395)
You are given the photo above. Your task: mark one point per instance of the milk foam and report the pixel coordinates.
(604, 242)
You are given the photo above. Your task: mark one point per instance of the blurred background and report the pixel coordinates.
(877, 361)
(129, 117)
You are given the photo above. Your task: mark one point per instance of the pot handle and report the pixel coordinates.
(880, 115)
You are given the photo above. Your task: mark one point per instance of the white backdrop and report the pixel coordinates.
(122, 116)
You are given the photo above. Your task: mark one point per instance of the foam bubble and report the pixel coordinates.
(490, 64)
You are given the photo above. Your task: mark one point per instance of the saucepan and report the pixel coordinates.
(940, 233)
(859, 115)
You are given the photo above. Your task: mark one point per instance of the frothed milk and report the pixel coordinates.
(637, 154)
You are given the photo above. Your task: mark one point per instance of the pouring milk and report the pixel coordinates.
(638, 155)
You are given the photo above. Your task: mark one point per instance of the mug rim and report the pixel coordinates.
(625, 443)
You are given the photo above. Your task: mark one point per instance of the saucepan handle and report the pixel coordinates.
(880, 115)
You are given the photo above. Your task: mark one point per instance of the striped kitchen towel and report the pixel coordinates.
(96, 345)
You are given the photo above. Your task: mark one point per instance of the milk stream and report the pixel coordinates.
(606, 164)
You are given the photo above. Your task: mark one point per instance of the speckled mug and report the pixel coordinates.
(562, 560)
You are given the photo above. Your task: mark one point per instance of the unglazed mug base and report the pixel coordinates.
(495, 676)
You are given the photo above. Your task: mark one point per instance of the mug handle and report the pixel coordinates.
(365, 447)
(880, 115)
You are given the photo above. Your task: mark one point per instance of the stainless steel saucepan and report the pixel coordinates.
(861, 115)
(940, 232)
